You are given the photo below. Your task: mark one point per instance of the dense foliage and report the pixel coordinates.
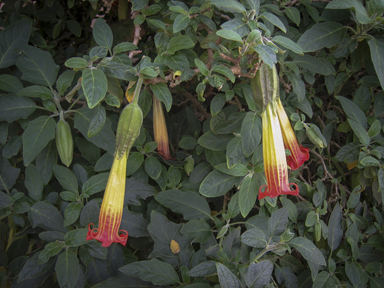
(193, 216)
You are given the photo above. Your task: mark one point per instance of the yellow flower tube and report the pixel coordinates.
(275, 163)
(160, 129)
(112, 207)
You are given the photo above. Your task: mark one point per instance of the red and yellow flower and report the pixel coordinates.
(111, 210)
(160, 129)
(275, 163)
(298, 154)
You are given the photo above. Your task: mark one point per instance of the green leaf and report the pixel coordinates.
(229, 35)
(377, 51)
(67, 269)
(360, 132)
(335, 233)
(361, 13)
(369, 161)
(298, 85)
(46, 216)
(76, 237)
(37, 135)
(258, 274)
(155, 271)
(76, 63)
(181, 22)
(321, 35)
(95, 184)
(135, 189)
(308, 250)
(214, 142)
(266, 54)
(278, 222)
(313, 64)
(293, 14)
(353, 273)
(238, 170)
(8, 174)
(13, 107)
(203, 269)
(162, 93)
(90, 213)
(112, 100)
(37, 67)
(97, 121)
(34, 183)
(224, 71)
(102, 33)
(74, 27)
(288, 43)
(10, 83)
(189, 204)
(353, 111)
(13, 40)
(229, 6)
(8, 201)
(247, 195)
(64, 81)
(153, 167)
(72, 213)
(94, 85)
(124, 47)
(12, 147)
(139, 4)
(36, 91)
(324, 279)
(178, 43)
(201, 65)
(217, 184)
(226, 278)
(134, 223)
(66, 178)
(273, 19)
(32, 269)
(105, 139)
(199, 230)
(250, 133)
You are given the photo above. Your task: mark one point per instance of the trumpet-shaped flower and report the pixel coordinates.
(112, 207)
(275, 163)
(298, 154)
(160, 129)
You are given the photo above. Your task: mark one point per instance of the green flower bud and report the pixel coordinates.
(64, 142)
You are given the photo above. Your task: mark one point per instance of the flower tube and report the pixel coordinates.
(112, 207)
(275, 163)
(298, 154)
(160, 129)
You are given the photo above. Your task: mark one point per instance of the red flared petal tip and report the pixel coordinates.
(105, 239)
(298, 158)
(292, 192)
(274, 193)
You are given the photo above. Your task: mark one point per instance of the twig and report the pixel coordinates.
(136, 37)
(324, 166)
(194, 101)
(226, 17)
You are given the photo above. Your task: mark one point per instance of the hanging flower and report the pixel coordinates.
(298, 154)
(160, 129)
(275, 163)
(112, 207)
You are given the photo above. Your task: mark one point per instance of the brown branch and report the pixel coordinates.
(136, 37)
(226, 17)
(194, 101)
(324, 166)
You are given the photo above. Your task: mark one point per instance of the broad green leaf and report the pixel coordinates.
(74, 27)
(360, 132)
(157, 23)
(34, 183)
(89, 213)
(247, 195)
(76, 63)
(102, 33)
(46, 216)
(258, 274)
(162, 93)
(293, 14)
(266, 54)
(238, 170)
(229, 35)
(32, 269)
(155, 271)
(226, 278)
(217, 184)
(64, 81)
(324, 279)
(199, 230)
(201, 65)
(135, 223)
(139, 4)
(189, 204)
(66, 178)
(229, 6)
(298, 85)
(377, 55)
(13, 40)
(94, 85)
(308, 250)
(214, 142)
(334, 227)
(313, 64)
(357, 6)
(178, 43)
(153, 167)
(203, 269)
(181, 22)
(273, 19)
(288, 43)
(36, 91)
(135, 190)
(72, 213)
(217, 104)
(353, 111)
(8, 174)
(10, 83)
(292, 210)
(278, 222)
(67, 269)
(37, 67)
(14, 107)
(37, 135)
(8, 201)
(97, 121)
(321, 35)
(224, 71)
(200, 172)
(124, 47)
(95, 184)
(250, 133)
